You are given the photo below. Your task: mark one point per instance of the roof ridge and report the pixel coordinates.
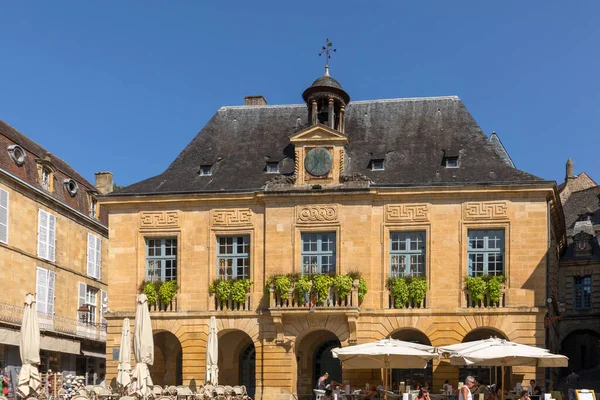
(586, 190)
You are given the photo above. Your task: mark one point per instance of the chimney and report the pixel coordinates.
(104, 182)
(255, 100)
(570, 173)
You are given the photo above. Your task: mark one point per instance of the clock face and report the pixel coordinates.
(318, 161)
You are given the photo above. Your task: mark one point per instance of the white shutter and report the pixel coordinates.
(3, 216)
(103, 305)
(51, 237)
(41, 296)
(81, 299)
(42, 234)
(51, 283)
(98, 257)
(91, 254)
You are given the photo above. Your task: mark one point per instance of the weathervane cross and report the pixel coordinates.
(327, 51)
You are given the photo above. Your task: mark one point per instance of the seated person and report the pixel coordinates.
(372, 394)
(423, 394)
(535, 389)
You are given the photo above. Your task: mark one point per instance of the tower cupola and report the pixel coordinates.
(326, 101)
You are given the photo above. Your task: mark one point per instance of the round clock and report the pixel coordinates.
(318, 161)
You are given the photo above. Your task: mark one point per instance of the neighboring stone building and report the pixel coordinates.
(388, 188)
(53, 243)
(579, 274)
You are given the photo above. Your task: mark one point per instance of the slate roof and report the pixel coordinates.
(582, 202)
(411, 134)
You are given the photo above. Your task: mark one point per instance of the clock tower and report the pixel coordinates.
(320, 148)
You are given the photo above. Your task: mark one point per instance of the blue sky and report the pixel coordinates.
(123, 86)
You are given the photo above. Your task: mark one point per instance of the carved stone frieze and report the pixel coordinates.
(317, 213)
(232, 217)
(485, 210)
(159, 219)
(406, 212)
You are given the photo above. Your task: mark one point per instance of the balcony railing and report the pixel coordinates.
(229, 305)
(308, 300)
(411, 304)
(159, 306)
(485, 302)
(13, 314)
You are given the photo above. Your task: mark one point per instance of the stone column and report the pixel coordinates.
(330, 114)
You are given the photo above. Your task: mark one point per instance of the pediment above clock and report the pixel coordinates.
(319, 134)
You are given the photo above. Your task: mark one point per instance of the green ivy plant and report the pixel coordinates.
(321, 284)
(283, 284)
(399, 291)
(234, 290)
(151, 289)
(167, 291)
(417, 289)
(494, 289)
(477, 286)
(303, 284)
(343, 284)
(221, 289)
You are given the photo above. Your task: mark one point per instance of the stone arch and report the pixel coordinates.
(582, 346)
(313, 357)
(168, 367)
(235, 347)
(301, 326)
(419, 375)
(250, 326)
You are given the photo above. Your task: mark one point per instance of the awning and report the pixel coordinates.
(12, 337)
(93, 354)
(9, 336)
(59, 344)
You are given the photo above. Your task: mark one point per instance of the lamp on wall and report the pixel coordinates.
(83, 312)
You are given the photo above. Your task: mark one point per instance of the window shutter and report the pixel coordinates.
(98, 257)
(103, 305)
(81, 300)
(90, 254)
(41, 295)
(51, 282)
(3, 216)
(42, 234)
(51, 237)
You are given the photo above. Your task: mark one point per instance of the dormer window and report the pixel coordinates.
(94, 208)
(377, 164)
(46, 178)
(451, 162)
(205, 170)
(17, 154)
(71, 187)
(272, 167)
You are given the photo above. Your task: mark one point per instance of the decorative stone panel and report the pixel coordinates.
(159, 219)
(485, 210)
(232, 217)
(317, 213)
(406, 212)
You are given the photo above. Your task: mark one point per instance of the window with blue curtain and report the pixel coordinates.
(318, 253)
(407, 254)
(161, 259)
(486, 252)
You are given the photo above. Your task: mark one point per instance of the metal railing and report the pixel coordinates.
(13, 314)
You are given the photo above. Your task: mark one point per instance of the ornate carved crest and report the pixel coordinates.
(317, 213)
(485, 210)
(159, 219)
(406, 212)
(232, 217)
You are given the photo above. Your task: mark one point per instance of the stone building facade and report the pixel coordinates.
(578, 322)
(385, 188)
(53, 243)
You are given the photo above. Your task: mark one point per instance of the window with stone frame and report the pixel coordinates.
(46, 178)
(407, 254)
(233, 257)
(318, 253)
(91, 300)
(583, 292)
(161, 259)
(486, 252)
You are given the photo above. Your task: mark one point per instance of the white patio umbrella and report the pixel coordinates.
(123, 376)
(29, 348)
(495, 352)
(212, 354)
(386, 354)
(143, 349)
